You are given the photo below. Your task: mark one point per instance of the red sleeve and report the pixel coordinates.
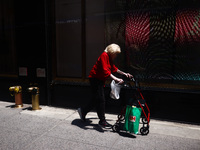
(114, 68)
(105, 65)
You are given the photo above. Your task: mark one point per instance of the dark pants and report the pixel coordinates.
(98, 99)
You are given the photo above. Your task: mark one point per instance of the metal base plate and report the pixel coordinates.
(19, 106)
(37, 109)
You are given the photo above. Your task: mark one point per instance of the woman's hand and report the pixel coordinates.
(128, 75)
(120, 81)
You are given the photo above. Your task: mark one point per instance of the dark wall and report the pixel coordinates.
(30, 34)
(30, 43)
(165, 105)
(174, 105)
(30, 46)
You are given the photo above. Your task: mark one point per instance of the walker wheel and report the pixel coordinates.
(144, 130)
(144, 120)
(116, 128)
(121, 117)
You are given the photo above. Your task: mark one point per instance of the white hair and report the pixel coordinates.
(112, 49)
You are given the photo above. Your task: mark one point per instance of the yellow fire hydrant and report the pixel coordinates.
(17, 92)
(35, 97)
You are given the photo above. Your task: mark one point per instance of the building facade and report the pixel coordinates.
(53, 44)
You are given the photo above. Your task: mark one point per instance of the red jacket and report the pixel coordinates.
(103, 68)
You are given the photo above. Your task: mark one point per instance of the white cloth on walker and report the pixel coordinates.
(115, 90)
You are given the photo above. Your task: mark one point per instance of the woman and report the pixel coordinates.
(100, 72)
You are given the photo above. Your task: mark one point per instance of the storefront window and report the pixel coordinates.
(159, 39)
(68, 38)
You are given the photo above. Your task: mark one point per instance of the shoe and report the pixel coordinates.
(81, 114)
(104, 124)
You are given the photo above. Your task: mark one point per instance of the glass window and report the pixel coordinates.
(95, 32)
(159, 39)
(68, 38)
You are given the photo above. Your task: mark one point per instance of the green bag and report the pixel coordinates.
(132, 119)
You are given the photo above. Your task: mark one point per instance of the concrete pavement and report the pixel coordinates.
(54, 128)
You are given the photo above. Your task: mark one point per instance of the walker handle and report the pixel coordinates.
(136, 82)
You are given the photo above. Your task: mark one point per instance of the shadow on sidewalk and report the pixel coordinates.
(10, 106)
(124, 133)
(88, 125)
(22, 108)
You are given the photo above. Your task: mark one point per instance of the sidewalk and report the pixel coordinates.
(54, 128)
